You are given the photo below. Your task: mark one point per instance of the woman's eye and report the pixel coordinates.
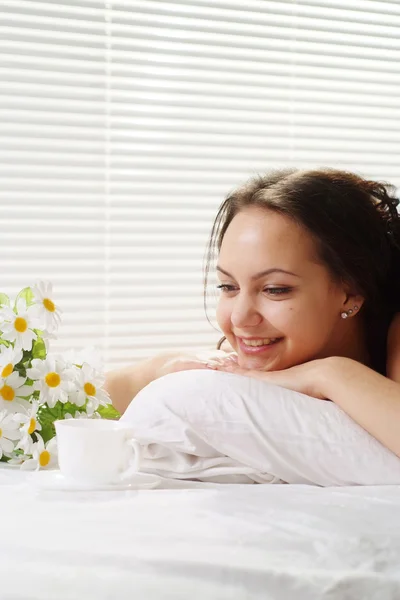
(278, 290)
(224, 287)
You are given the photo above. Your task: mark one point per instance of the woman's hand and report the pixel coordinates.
(187, 362)
(305, 378)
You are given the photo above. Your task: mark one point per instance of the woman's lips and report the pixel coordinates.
(257, 349)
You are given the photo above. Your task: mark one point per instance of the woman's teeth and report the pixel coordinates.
(264, 342)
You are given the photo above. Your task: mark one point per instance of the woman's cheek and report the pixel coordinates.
(223, 316)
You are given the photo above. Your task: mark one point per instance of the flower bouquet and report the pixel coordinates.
(37, 387)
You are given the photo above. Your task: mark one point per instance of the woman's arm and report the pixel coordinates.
(373, 401)
(370, 399)
(123, 384)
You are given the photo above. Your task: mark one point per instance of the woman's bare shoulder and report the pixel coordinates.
(393, 349)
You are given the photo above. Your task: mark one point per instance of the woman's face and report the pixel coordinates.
(301, 308)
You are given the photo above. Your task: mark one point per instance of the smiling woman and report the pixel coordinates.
(309, 269)
(308, 263)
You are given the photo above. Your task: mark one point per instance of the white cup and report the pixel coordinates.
(97, 451)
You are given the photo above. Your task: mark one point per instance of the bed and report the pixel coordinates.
(197, 540)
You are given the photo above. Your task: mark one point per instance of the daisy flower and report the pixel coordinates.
(13, 392)
(46, 310)
(8, 359)
(52, 378)
(29, 420)
(89, 386)
(9, 432)
(43, 456)
(28, 424)
(18, 328)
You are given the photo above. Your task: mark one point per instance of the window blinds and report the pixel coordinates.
(125, 123)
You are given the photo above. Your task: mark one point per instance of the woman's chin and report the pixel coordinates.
(253, 362)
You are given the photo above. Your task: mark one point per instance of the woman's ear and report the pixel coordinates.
(353, 299)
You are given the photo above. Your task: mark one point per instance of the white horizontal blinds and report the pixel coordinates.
(129, 121)
(52, 149)
(261, 78)
(204, 94)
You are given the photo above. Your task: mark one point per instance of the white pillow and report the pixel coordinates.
(216, 426)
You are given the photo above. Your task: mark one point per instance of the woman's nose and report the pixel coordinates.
(245, 314)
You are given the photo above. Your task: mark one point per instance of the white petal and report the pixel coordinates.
(11, 434)
(7, 314)
(27, 339)
(15, 380)
(10, 422)
(51, 364)
(21, 306)
(8, 355)
(63, 396)
(20, 418)
(51, 401)
(29, 465)
(39, 443)
(20, 405)
(25, 391)
(38, 363)
(37, 294)
(9, 334)
(15, 406)
(33, 373)
(15, 461)
(80, 398)
(46, 288)
(103, 397)
(51, 445)
(6, 444)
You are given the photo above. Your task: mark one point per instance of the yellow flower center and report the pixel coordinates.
(7, 393)
(7, 370)
(44, 458)
(20, 324)
(89, 388)
(53, 379)
(1, 433)
(32, 426)
(49, 305)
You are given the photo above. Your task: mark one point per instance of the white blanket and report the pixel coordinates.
(222, 427)
(195, 540)
(225, 542)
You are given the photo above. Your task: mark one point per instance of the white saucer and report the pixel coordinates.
(54, 480)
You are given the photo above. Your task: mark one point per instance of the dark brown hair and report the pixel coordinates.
(356, 227)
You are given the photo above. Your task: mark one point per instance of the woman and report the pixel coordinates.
(309, 268)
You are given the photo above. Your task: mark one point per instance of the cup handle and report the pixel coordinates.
(135, 459)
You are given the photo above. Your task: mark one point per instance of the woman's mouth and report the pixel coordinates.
(255, 346)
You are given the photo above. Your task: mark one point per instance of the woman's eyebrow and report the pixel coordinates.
(261, 274)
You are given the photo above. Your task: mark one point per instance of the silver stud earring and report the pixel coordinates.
(345, 314)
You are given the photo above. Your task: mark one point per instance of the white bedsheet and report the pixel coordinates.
(202, 541)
